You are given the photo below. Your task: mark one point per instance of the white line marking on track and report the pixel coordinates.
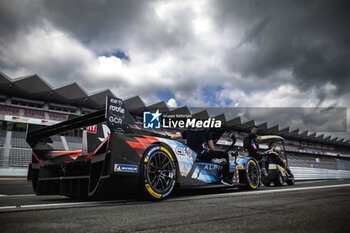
(258, 192)
(69, 204)
(17, 195)
(97, 203)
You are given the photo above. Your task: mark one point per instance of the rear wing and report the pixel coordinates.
(115, 115)
(37, 133)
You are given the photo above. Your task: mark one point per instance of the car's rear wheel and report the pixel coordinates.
(158, 173)
(278, 180)
(252, 176)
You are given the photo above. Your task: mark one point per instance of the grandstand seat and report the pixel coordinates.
(74, 143)
(57, 142)
(34, 113)
(18, 140)
(8, 110)
(57, 116)
(20, 157)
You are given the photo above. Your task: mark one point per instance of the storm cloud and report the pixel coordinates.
(200, 53)
(309, 39)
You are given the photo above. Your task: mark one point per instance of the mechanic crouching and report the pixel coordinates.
(278, 153)
(197, 139)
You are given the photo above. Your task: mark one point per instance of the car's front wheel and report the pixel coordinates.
(252, 176)
(158, 174)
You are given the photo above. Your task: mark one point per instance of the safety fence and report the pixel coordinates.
(306, 173)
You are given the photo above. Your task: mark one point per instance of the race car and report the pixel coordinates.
(118, 155)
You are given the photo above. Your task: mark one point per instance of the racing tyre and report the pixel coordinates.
(278, 180)
(158, 173)
(252, 176)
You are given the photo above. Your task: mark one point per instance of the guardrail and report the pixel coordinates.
(306, 173)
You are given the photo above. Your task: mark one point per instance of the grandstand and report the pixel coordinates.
(30, 100)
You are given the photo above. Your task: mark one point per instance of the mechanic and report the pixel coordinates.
(250, 144)
(196, 140)
(278, 153)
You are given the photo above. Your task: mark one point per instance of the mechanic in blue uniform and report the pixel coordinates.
(250, 144)
(196, 139)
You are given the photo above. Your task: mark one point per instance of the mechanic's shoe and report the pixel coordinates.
(264, 172)
(227, 181)
(219, 161)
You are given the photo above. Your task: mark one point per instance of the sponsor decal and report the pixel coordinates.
(189, 152)
(166, 151)
(91, 129)
(115, 120)
(116, 114)
(125, 168)
(239, 167)
(171, 188)
(150, 152)
(117, 109)
(150, 190)
(184, 151)
(212, 167)
(116, 101)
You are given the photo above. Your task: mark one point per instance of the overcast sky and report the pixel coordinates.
(196, 52)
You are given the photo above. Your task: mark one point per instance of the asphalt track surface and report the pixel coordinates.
(312, 206)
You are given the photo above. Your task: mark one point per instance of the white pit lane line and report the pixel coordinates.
(198, 197)
(60, 205)
(258, 192)
(17, 195)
